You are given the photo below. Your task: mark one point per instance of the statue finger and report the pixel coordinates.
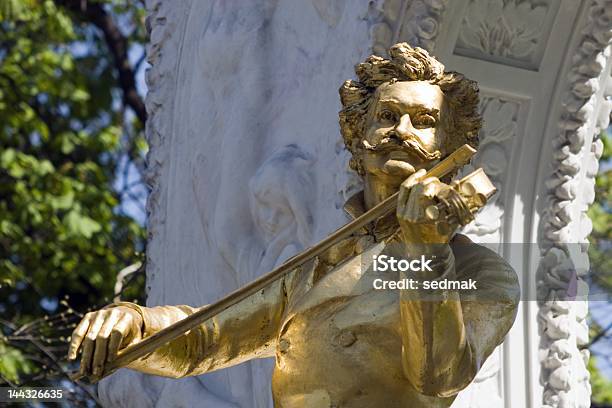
(412, 210)
(113, 344)
(101, 346)
(89, 342)
(78, 335)
(431, 180)
(118, 333)
(405, 188)
(125, 325)
(414, 179)
(431, 187)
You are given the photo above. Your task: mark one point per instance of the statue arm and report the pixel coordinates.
(446, 334)
(245, 331)
(447, 338)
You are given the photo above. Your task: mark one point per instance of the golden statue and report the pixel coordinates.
(338, 341)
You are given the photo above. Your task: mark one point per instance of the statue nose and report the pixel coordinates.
(404, 128)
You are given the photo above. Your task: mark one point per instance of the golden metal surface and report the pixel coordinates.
(149, 344)
(459, 202)
(337, 340)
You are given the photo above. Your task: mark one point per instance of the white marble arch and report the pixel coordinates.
(232, 81)
(542, 66)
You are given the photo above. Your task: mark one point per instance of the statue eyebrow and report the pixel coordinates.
(388, 102)
(433, 112)
(419, 110)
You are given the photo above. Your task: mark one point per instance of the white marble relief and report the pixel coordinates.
(280, 197)
(494, 154)
(509, 31)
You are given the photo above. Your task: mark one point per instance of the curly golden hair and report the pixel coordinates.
(408, 64)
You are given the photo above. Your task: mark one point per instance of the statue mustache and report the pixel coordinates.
(392, 142)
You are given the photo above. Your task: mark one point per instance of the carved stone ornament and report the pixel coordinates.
(497, 139)
(415, 21)
(564, 332)
(506, 31)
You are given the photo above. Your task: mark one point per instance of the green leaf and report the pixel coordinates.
(7, 157)
(13, 363)
(80, 224)
(62, 202)
(62, 128)
(601, 387)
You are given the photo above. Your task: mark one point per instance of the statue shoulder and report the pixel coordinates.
(495, 277)
(469, 253)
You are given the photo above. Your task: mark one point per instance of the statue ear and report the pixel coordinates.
(452, 139)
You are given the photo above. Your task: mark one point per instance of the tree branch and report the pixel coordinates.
(95, 14)
(599, 335)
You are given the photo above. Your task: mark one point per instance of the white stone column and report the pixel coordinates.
(565, 224)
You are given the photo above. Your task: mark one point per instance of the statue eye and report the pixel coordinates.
(388, 116)
(424, 121)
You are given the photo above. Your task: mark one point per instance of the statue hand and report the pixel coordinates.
(100, 335)
(415, 196)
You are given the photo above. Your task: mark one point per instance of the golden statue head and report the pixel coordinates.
(406, 108)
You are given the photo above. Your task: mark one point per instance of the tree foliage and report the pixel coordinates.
(600, 214)
(68, 126)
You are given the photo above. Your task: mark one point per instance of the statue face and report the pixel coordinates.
(404, 130)
(272, 214)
